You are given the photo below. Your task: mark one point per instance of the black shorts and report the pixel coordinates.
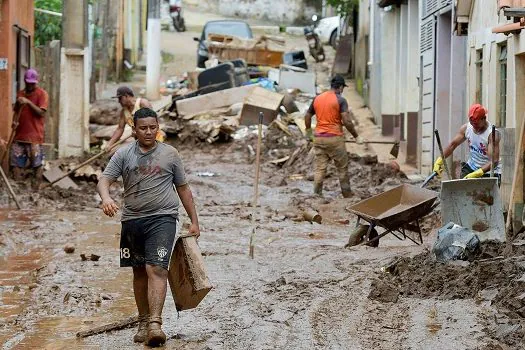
(148, 240)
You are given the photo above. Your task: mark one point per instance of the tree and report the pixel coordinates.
(47, 27)
(344, 8)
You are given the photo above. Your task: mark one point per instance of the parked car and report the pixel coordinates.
(328, 30)
(239, 29)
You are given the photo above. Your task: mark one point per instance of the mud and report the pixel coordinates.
(495, 277)
(302, 290)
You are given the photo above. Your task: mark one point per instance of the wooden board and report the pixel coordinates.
(515, 214)
(54, 173)
(343, 55)
(213, 100)
(260, 100)
(507, 157)
(187, 276)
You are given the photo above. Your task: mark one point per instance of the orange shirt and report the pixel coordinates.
(328, 108)
(30, 125)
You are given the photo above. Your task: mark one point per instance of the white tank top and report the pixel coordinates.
(478, 146)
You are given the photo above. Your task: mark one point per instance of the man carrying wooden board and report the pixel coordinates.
(149, 170)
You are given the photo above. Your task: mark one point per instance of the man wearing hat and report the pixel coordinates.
(130, 104)
(478, 133)
(26, 150)
(332, 113)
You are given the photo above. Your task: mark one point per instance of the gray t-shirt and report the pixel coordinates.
(148, 179)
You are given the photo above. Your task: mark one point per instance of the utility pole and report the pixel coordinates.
(153, 51)
(74, 83)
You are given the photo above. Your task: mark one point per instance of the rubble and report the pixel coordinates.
(105, 112)
(261, 51)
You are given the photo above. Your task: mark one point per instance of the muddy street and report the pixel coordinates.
(303, 290)
(59, 256)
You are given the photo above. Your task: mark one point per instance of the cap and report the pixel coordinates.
(123, 91)
(31, 76)
(338, 80)
(477, 111)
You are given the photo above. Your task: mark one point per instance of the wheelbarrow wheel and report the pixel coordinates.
(358, 235)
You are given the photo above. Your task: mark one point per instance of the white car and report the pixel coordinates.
(328, 30)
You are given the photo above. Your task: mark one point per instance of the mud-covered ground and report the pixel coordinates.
(303, 289)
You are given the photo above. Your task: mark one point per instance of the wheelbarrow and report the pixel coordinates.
(396, 211)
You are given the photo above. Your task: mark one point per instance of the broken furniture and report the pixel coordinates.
(189, 105)
(222, 77)
(295, 59)
(396, 211)
(260, 100)
(254, 51)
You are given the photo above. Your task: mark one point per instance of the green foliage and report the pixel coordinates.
(344, 7)
(47, 27)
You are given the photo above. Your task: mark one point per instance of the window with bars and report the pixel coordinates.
(479, 76)
(502, 88)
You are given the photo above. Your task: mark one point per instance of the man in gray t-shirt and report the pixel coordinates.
(149, 170)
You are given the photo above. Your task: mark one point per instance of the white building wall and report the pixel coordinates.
(412, 94)
(389, 62)
(483, 18)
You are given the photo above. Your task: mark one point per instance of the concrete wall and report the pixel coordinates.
(484, 17)
(12, 12)
(285, 12)
(374, 61)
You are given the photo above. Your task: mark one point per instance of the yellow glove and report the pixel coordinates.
(309, 135)
(438, 166)
(475, 174)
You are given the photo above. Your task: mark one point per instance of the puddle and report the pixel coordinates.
(18, 278)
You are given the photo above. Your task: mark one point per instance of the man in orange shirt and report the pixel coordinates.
(331, 110)
(27, 150)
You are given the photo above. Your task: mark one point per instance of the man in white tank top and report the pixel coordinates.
(478, 133)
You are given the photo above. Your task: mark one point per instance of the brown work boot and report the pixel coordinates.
(142, 331)
(156, 336)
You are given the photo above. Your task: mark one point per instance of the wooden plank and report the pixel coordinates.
(187, 275)
(213, 100)
(515, 213)
(55, 173)
(343, 55)
(507, 157)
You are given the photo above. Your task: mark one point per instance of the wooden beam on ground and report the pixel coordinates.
(127, 323)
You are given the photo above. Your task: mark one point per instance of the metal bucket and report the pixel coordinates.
(474, 204)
